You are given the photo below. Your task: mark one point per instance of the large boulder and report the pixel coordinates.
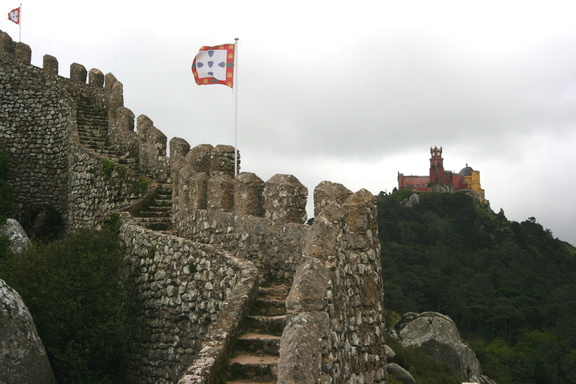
(19, 241)
(437, 336)
(23, 358)
(400, 373)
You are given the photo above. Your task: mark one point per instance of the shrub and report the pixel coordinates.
(107, 168)
(74, 290)
(5, 189)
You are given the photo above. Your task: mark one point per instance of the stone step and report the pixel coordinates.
(159, 226)
(257, 349)
(254, 368)
(259, 344)
(155, 212)
(145, 219)
(159, 205)
(265, 307)
(273, 325)
(274, 291)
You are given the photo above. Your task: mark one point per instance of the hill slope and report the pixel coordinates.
(509, 286)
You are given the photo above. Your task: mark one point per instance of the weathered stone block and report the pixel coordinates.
(222, 160)
(221, 193)
(199, 157)
(50, 65)
(23, 53)
(109, 81)
(301, 348)
(310, 287)
(248, 195)
(6, 43)
(78, 73)
(96, 78)
(285, 199)
(328, 192)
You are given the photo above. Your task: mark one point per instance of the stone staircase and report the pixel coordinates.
(158, 214)
(255, 358)
(93, 131)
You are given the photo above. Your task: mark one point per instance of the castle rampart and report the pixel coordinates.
(184, 288)
(336, 331)
(73, 146)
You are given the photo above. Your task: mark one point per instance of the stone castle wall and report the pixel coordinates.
(184, 288)
(40, 133)
(229, 232)
(336, 329)
(259, 221)
(33, 106)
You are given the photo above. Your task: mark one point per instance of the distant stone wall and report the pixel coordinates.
(183, 287)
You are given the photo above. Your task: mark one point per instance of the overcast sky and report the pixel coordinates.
(350, 92)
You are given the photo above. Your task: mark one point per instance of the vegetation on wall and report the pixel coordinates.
(509, 286)
(76, 293)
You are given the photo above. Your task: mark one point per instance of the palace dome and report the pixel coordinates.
(466, 171)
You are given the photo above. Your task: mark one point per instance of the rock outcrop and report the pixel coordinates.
(19, 241)
(23, 358)
(437, 336)
(400, 373)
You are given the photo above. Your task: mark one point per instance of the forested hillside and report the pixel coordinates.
(510, 287)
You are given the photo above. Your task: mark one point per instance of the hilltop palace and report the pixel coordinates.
(440, 180)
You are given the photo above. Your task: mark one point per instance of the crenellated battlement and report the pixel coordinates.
(76, 149)
(282, 198)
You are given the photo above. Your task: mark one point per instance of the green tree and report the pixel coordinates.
(75, 291)
(5, 203)
(5, 189)
(508, 285)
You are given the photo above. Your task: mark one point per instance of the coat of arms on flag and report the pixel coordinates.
(14, 15)
(214, 65)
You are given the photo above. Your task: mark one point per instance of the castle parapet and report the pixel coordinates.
(328, 192)
(281, 199)
(248, 195)
(221, 193)
(122, 136)
(116, 101)
(199, 158)
(6, 43)
(96, 78)
(50, 65)
(285, 199)
(179, 149)
(197, 186)
(152, 149)
(78, 73)
(222, 160)
(110, 81)
(335, 303)
(23, 53)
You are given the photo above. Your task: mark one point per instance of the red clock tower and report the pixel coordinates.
(436, 166)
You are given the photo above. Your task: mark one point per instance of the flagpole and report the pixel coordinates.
(236, 107)
(20, 24)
